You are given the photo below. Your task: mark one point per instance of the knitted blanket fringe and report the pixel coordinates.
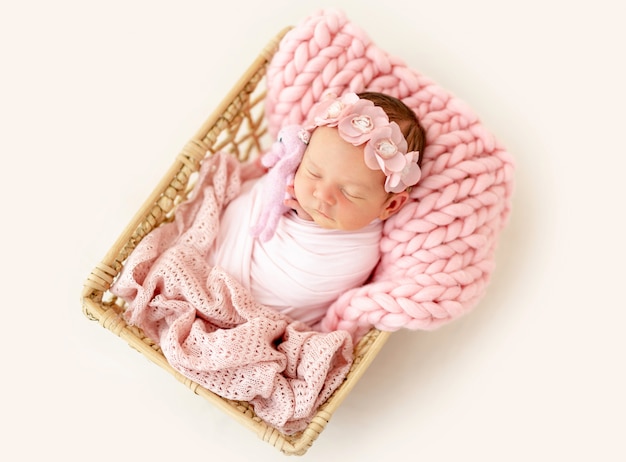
(439, 251)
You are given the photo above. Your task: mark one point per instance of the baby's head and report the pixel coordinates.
(363, 156)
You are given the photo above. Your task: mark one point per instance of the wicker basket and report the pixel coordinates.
(237, 125)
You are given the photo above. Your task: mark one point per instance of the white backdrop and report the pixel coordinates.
(96, 99)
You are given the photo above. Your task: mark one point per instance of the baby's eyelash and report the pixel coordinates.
(346, 193)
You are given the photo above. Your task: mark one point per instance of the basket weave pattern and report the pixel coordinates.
(236, 126)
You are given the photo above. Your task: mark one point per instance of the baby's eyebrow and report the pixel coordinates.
(308, 158)
(309, 163)
(357, 189)
(310, 167)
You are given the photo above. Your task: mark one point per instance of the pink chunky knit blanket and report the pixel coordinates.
(209, 327)
(438, 252)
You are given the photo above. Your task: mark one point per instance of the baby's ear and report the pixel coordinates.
(393, 203)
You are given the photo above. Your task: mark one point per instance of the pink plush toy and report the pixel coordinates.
(282, 159)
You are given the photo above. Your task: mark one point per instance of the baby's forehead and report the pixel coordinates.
(350, 171)
(326, 147)
(326, 139)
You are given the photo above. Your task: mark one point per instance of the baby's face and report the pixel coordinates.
(335, 187)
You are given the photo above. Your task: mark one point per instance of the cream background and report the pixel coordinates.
(96, 98)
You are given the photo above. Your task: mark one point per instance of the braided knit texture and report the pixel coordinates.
(438, 251)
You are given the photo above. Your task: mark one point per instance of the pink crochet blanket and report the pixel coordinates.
(209, 327)
(438, 252)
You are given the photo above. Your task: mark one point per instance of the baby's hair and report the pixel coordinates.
(400, 113)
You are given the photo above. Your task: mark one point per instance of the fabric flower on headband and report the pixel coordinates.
(360, 121)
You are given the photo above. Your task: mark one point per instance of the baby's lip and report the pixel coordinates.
(319, 212)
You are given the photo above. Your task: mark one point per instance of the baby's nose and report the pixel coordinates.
(324, 194)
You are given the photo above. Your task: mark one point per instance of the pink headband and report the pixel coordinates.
(360, 121)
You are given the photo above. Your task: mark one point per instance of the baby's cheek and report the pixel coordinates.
(298, 186)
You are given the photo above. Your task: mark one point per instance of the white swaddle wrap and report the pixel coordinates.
(303, 268)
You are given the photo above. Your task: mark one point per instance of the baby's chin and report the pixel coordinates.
(325, 225)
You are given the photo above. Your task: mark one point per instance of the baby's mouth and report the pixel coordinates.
(319, 212)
